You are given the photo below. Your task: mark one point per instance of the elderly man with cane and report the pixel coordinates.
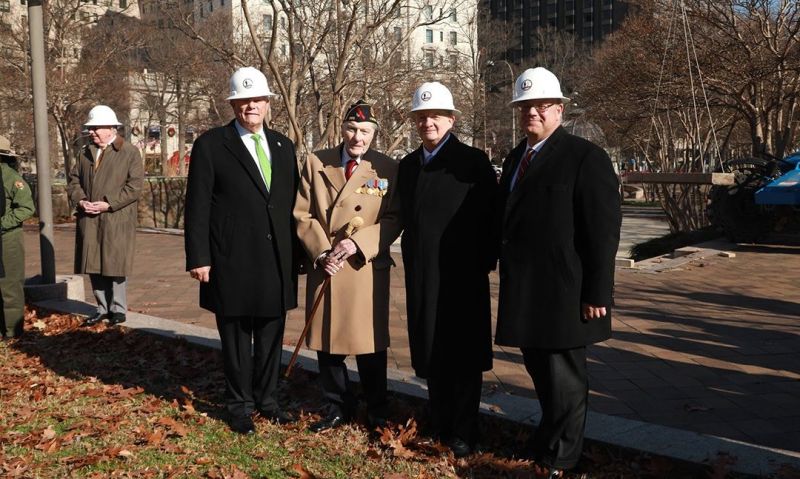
(338, 184)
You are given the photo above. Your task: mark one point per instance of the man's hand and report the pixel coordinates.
(343, 250)
(202, 274)
(590, 311)
(330, 265)
(94, 208)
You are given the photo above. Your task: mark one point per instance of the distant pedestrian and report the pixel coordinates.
(105, 184)
(17, 207)
(240, 236)
(447, 191)
(338, 184)
(560, 213)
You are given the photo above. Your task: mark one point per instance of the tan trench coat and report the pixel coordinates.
(104, 243)
(354, 315)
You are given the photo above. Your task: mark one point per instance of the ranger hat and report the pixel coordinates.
(5, 147)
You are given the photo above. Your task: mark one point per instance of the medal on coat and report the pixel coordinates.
(375, 187)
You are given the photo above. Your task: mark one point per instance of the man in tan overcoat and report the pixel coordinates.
(105, 185)
(337, 185)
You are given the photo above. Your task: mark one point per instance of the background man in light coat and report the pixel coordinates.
(559, 214)
(18, 206)
(447, 190)
(338, 184)
(239, 235)
(105, 184)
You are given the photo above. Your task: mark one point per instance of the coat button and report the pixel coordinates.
(269, 236)
(505, 241)
(358, 208)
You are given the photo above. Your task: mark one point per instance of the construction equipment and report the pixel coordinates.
(764, 198)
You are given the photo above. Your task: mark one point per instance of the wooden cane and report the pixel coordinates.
(352, 226)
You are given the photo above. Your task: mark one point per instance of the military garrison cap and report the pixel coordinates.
(360, 111)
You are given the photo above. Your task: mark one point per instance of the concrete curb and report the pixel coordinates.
(656, 439)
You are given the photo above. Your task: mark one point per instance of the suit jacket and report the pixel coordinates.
(559, 233)
(354, 318)
(447, 255)
(105, 243)
(244, 232)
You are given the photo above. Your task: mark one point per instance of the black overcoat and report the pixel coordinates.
(244, 232)
(559, 233)
(447, 256)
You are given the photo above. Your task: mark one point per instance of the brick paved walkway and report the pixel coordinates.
(711, 348)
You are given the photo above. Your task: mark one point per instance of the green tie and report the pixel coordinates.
(263, 161)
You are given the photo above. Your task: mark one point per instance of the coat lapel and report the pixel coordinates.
(364, 172)
(547, 152)
(235, 145)
(332, 168)
(282, 163)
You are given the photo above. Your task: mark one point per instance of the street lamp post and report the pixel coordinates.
(491, 63)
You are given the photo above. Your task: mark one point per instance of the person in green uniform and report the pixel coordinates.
(18, 208)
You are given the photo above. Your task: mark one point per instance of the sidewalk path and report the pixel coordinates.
(710, 348)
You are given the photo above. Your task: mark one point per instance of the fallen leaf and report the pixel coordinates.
(304, 473)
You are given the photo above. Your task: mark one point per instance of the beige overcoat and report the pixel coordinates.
(354, 315)
(104, 243)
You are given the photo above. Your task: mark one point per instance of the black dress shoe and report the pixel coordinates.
(116, 318)
(242, 424)
(459, 447)
(278, 416)
(96, 318)
(330, 421)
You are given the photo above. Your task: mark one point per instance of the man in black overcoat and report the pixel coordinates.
(447, 191)
(240, 241)
(559, 210)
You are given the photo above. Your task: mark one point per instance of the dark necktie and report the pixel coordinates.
(351, 167)
(526, 161)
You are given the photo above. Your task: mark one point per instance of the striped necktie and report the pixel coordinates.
(526, 161)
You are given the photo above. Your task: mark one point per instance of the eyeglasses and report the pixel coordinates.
(540, 107)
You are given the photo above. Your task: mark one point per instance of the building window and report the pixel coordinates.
(427, 12)
(398, 34)
(222, 3)
(428, 36)
(5, 5)
(429, 59)
(123, 3)
(268, 23)
(454, 15)
(23, 2)
(453, 38)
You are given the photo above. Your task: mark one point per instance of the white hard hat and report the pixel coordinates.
(102, 115)
(537, 84)
(433, 96)
(249, 82)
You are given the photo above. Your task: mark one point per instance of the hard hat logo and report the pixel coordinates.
(247, 83)
(526, 85)
(426, 95)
